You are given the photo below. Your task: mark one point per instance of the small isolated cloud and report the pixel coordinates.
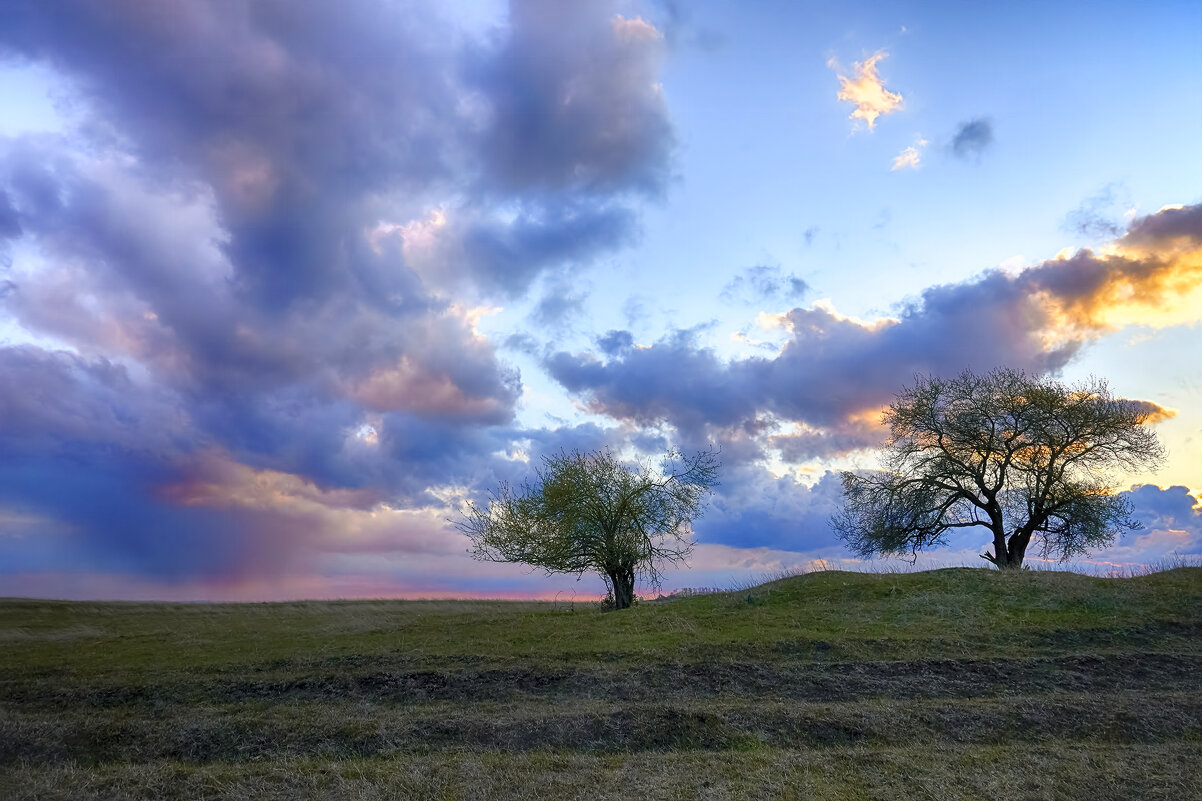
(972, 138)
(764, 282)
(866, 91)
(909, 158)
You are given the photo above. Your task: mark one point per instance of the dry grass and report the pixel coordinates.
(1069, 773)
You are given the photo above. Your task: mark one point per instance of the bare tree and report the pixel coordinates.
(1021, 456)
(589, 512)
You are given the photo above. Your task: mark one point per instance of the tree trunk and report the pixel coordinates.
(1019, 541)
(1009, 555)
(1010, 563)
(623, 586)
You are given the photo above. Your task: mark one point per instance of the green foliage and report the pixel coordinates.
(1019, 456)
(589, 512)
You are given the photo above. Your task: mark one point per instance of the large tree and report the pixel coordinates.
(590, 512)
(1024, 457)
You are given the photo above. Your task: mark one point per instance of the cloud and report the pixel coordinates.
(909, 158)
(1099, 214)
(502, 252)
(834, 372)
(615, 342)
(680, 31)
(757, 510)
(830, 368)
(764, 282)
(1172, 525)
(561, 304)
(866, 91)
(126, 476)
(10, 221)
(1150, 276)
(303, 145)
(972, 138)
(1153, 412)
(263, 252)
(575, 101)
(673, 380)
(853, 432)
(103, 474)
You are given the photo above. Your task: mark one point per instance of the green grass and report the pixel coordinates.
(956, 683)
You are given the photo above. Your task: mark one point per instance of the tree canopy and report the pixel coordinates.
(1021, 456)
(590, 512)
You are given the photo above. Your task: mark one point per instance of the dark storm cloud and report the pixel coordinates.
(128, 477)
(291, 113)
(169, 301)
(575, 101)
(86, 447)
(238, 224)
(508, 256)
(302, 117)
(61, 403)
(972, 138)
(764, 282)
(834, 374)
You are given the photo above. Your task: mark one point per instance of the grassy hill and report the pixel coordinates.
(958, 683)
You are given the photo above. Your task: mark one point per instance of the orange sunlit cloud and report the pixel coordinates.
(312, 518)
(1155, 412)
(867, 91)
(1148, 277)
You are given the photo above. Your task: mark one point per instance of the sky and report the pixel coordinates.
(283, 284)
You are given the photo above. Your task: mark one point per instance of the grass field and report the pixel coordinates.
(948, 684)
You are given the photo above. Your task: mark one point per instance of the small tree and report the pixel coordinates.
(589, 512)
(1021, 456)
